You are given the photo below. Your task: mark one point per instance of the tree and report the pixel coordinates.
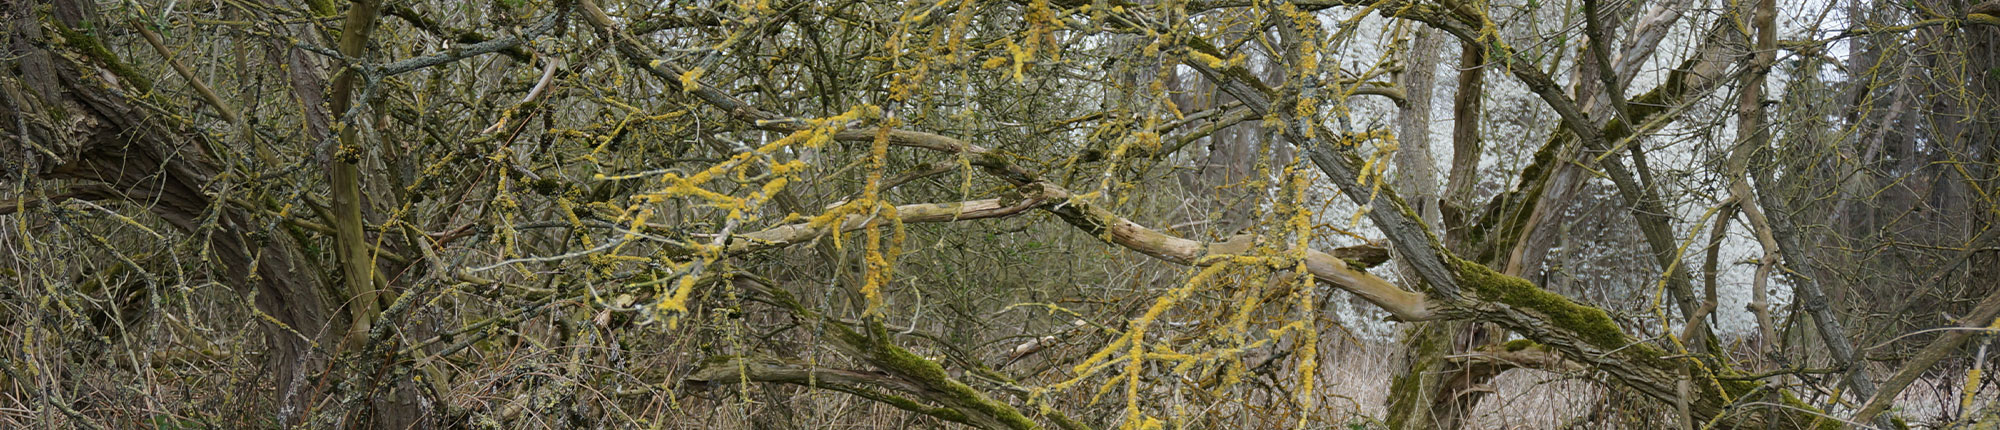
(1077, 214)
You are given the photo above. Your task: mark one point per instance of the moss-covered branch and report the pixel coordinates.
(735, 369)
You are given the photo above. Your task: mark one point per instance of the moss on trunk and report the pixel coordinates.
(1413, 392)
(944, 389)
(1589, 323)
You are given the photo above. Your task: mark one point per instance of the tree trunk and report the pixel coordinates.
(72, 111)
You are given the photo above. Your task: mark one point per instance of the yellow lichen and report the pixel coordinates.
(691, 80)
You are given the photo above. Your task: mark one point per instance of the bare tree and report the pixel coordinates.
(1007, 215)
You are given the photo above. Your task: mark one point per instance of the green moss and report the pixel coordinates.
(1357, 264)
(1409, 397)
(321, 7)
(1589, 323)
(1508, 215)
(903, 364)
(932, 373)
(1520, 344)
(1408, 212)
(57, 113)
(719, 359)
(1796, 412)
(89, 46)
(899, 402)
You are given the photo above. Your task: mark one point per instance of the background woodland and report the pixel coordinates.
(1074, 214)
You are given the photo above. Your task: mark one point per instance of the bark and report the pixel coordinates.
(1579, 332)
(1640, 198)
(344, 175)
(1958, 87)
(1982, 317)
(1414, 165)
(1413, 391)
(1753, 134)
(868, 385)
(397, 406)
(1466, 290)
(1810, 297)
(903, 379)
(1465, 144)
(71, 107)
(1430, 391)
(82, 116)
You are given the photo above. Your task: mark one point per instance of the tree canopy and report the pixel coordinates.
(1073, 214)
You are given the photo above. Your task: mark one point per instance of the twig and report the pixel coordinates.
(558, 257)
